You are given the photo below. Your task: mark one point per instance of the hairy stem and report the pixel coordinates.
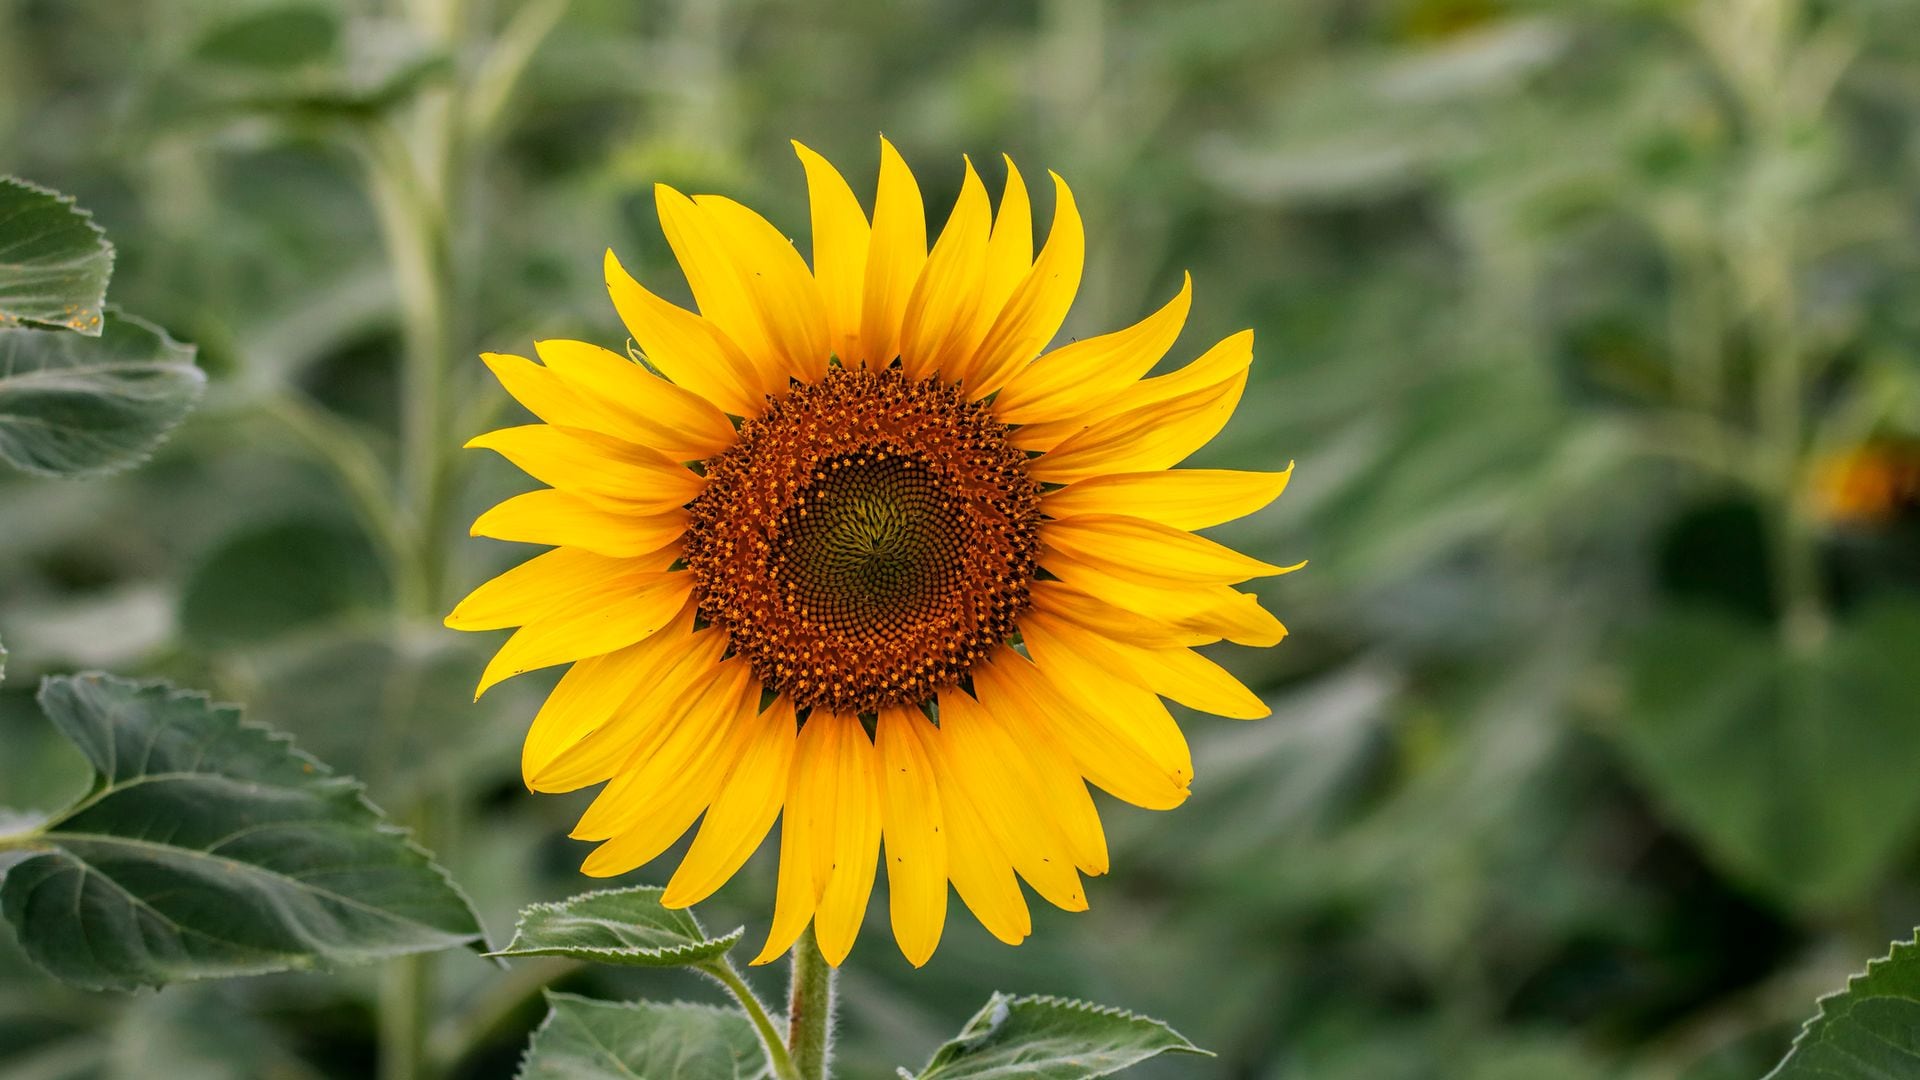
(810, 1010)
(728, 976)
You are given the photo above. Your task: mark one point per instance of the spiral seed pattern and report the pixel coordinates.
(866, 541)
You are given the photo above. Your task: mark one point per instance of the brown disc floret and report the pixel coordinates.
(866, 541)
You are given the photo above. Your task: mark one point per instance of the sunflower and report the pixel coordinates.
(848, 548)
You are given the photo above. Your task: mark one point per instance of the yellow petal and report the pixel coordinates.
(546, 395)
(590, 624)
(1181, 498)
(1003, 788)
(1211, 612)
(1076, 377)
(664, 684)
(894, 259)
(592, 691)
(1049, 774)
(619, 475)
(1126, 717)
(910, 824)
(707, 257)
(1130, 547)
(1037, 308)
(793, 898)
(1159, 435)
(645, 798)
(688, 349)
(671, 789)
(1121, 766)
(840, 240)
(1117, 623)
(839, 797)
(546, 583)
(939, 327)
(1177, 673)
(554, 517)
(643, 407)
(1229, 357)
(741, 814)
(982, 874)
(779, 288)
(1009, 249)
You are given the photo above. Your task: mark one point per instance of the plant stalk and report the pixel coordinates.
(810, 1010)
(408, 173)
(24, 841)
(728, 976)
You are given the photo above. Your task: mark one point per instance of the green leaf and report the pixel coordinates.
(79, 406)
(54, 261)
(1869, 1031)
(616, 926)
(1049, 1038)
(1795, 769)
(269, 580)
(583, 1039)
(273, 39)
(211, 847)
(345, 70)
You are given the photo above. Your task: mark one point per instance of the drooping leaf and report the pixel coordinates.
(616, 926)
(1049, 1038)
(80, 406)
(54, 261)
(211, 847)
(1795, 769)
(1869, 1031)
(337, 70)
(583, 1039)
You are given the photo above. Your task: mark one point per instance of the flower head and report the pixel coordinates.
(847, 549)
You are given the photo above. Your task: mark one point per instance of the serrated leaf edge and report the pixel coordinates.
(551, 995)
(164, 432)
(345, 784)
(1009, 1001)
(689, 953)
(1094, 1008)
(72, 203)
(1806, 1035)
(694, 949)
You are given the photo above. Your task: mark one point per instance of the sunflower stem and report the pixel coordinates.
(728, 976)
(810, 1010)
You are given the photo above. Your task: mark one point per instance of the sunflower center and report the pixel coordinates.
(866, 540)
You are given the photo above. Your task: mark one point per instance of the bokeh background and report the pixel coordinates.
(1593, 326)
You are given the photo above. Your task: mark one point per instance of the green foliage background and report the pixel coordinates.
(1594, 744)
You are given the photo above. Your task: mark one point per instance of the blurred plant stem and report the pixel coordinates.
(1780, 78)
(410, 163)
(26, 840)
(411, 199)
(354, 463)
(810, 1009)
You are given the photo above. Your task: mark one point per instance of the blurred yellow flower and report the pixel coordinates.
(917, 585)
(1869, 484)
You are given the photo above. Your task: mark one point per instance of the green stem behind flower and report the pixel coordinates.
(724, 972)
(810, 1011)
